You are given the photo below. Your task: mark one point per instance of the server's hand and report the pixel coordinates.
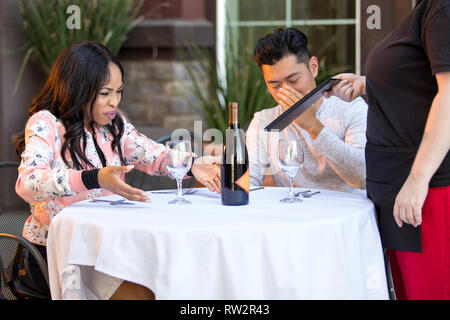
(349, 88)
(409, 202)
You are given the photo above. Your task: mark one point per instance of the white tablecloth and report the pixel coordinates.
(327, 247)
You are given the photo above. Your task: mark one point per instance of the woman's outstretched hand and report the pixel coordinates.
(349, 88)
(109, 178)
(207, 171)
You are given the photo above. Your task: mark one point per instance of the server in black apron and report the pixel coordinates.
(408, 141)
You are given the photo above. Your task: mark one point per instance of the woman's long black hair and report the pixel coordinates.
(74, 83)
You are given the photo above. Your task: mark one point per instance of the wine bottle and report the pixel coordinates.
(235, 178)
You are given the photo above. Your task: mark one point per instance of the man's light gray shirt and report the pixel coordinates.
(334, 161)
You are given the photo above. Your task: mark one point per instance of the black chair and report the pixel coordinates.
(387, 269)
(146, 182)
(13, 214)
(390, 281)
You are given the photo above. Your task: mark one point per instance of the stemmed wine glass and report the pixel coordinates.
(179, 161)
(290, 159)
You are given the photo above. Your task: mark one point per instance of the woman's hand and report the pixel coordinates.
(349, 88)
(109, 178)
(409, 202)
(207, 171)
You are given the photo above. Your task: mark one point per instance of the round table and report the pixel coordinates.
(327, 247)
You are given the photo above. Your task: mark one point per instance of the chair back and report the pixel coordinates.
(13, 209)
(13, 213)
(8, 248)
(9, 200)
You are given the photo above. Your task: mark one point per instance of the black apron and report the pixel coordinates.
(387, 168)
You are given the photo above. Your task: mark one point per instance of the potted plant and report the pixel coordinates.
(46, 29)
(242, 82)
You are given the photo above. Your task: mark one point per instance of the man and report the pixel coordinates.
(333, 132)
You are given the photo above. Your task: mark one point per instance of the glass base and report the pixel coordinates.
(179, 201)
(291, 200)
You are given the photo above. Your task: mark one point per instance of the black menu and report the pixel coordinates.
(301, 106)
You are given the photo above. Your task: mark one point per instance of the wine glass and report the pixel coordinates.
(290, 160)
(179, 161)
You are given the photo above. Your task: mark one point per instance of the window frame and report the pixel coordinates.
(224, 6)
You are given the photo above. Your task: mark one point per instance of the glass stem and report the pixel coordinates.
(180, 188)
(291, 193)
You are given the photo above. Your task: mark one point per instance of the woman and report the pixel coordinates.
(78, 146)
(408, 141)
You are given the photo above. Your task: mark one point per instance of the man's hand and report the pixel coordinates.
(287, 97)
(207, 171)
(349, 88)
(109, 178)
(409, 202)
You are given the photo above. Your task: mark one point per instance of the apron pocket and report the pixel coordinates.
(406, 238)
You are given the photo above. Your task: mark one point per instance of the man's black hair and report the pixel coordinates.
(274, 46)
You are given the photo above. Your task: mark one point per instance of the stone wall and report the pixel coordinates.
(160, 93)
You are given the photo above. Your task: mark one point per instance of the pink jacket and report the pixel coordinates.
(49, 185)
